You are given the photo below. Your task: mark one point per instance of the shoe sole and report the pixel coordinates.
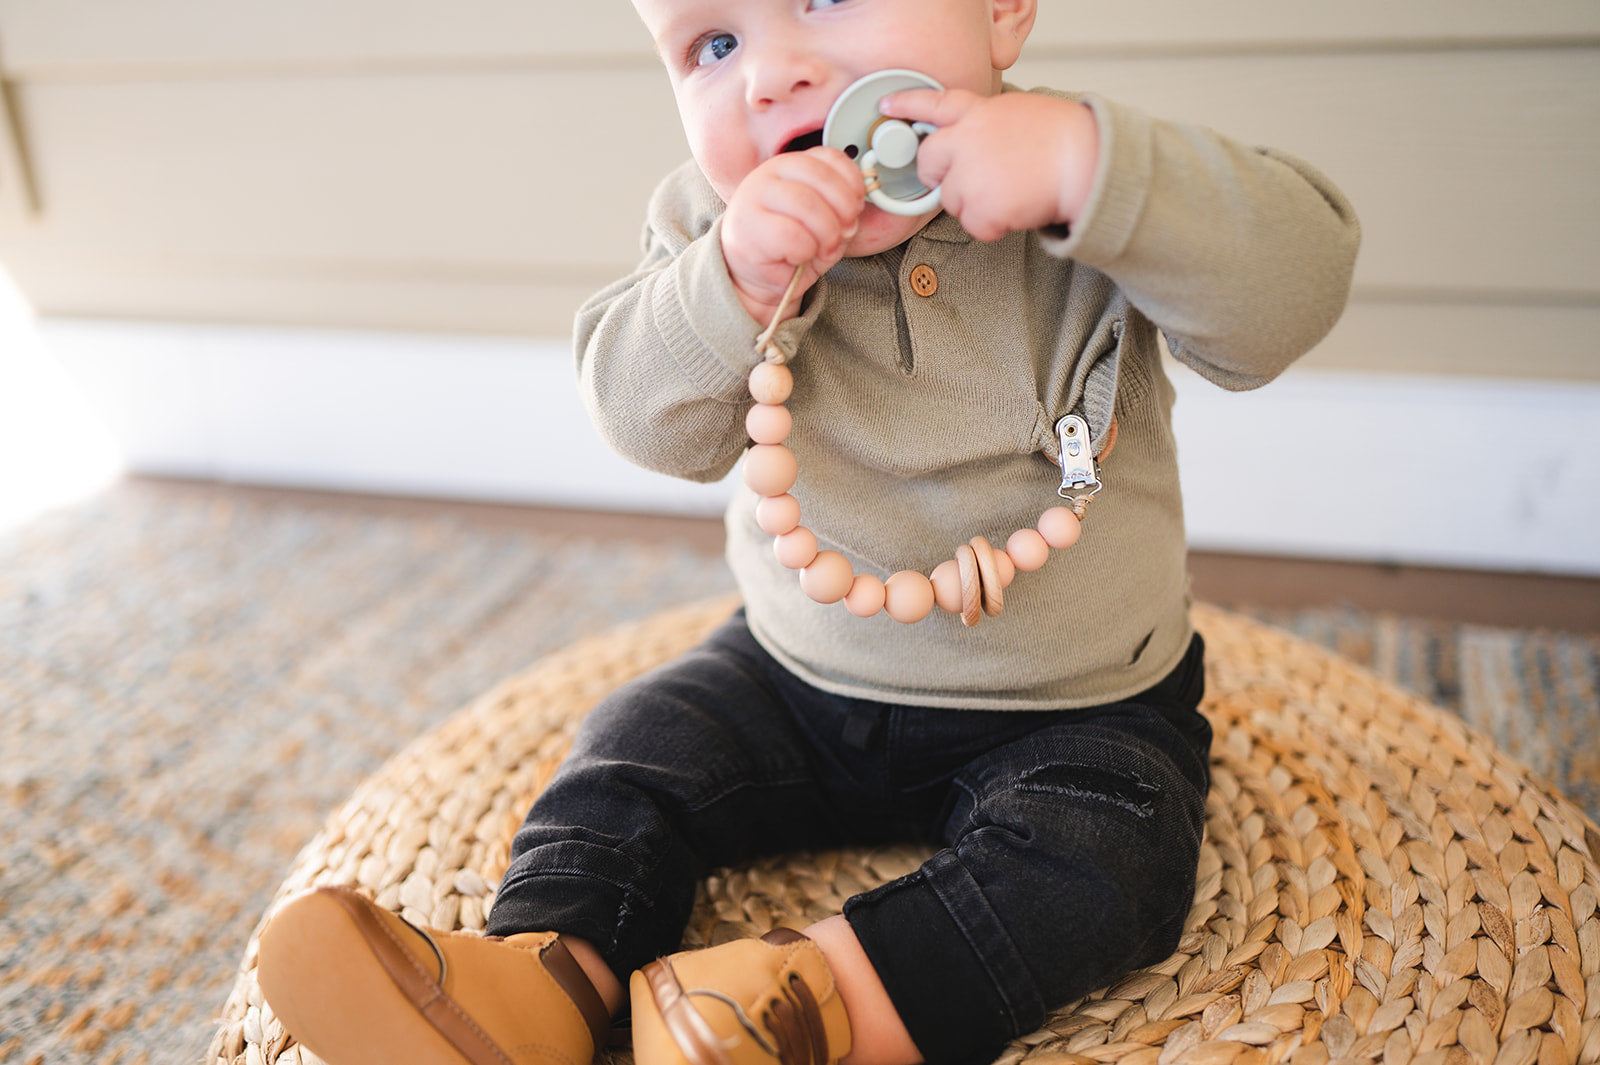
(337, 998)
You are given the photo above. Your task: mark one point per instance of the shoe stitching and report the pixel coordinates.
(739, 1014)
(792, 1014)
(441, 996)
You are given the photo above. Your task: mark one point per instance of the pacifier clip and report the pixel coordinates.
(972, 584)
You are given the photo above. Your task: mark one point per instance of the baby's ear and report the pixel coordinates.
(1010, 22)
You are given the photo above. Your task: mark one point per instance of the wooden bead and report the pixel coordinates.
(795, 549)
(908, 597)
(1110, 441)
(828, 578)
(994, 599)
(1059, 527)
(971, 586)
(770, 469)
(777, 514)
(771, 382)
(768, 423)
(866, 596)
(946, 580)
(1027, 549)
(1007, 568)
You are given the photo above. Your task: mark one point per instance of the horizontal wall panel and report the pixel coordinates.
(96, 38)
(1469, 170)
(486, 170)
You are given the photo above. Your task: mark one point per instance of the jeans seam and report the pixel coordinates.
(960, 915)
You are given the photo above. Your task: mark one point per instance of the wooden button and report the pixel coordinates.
(924, 282)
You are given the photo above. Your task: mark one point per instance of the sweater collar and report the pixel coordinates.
(945, 229)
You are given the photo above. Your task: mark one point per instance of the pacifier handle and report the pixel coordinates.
(894, 145)
(884, 148)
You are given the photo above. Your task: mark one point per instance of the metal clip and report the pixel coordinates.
(1079, 477)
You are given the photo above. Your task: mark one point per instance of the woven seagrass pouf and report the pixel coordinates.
(1378, 883)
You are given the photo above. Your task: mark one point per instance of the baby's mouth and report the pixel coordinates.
(803, 142)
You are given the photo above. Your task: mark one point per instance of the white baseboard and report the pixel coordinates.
(1435, 471)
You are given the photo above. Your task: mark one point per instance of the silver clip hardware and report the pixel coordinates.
(1080, 478)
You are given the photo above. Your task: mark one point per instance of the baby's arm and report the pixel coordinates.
(799, 208)
(1241, 256)
(663, 354)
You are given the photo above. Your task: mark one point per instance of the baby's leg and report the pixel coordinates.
(878, 1035)
(694, 765)
(1071, 861)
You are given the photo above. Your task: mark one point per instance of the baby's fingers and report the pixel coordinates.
(834, 177)
(937, 107)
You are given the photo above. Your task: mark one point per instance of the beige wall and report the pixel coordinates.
(481, 165)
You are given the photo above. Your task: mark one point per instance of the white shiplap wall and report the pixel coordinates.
(361, 200)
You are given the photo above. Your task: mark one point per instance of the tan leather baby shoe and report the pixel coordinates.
(749, 1002)
(357, 984)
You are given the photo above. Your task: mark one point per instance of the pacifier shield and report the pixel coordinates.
(886, 146)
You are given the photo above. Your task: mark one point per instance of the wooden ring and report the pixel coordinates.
(971, 586)
(994, 599)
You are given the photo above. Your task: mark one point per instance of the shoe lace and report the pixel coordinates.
(795, 1020)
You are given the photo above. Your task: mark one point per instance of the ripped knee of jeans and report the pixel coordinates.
(1093, 784)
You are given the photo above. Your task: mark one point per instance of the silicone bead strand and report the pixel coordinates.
(972, 584)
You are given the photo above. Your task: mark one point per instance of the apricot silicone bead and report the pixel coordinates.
(768, 423)
(1059, 527)
(771, 382)
(828, 578)
(796, 548)
(1027, 549)
(777, 514)
(946, 580)
(770, 469)
(1007, 568)
(866, 596)
(908, 597)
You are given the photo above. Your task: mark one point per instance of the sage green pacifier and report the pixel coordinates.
(885, 148)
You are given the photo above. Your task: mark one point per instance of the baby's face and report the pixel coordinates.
(756, 77)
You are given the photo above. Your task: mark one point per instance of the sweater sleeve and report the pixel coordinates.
(663, 353)
(1241, 256)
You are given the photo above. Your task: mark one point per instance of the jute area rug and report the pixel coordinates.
(190, 682)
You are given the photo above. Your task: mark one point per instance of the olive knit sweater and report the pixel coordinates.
(921, 421)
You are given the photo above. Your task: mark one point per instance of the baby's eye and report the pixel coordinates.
(824, 3)
(716, 48)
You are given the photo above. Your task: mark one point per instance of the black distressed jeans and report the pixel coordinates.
(1069, 839)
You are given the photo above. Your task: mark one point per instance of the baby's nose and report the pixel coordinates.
(780, 74)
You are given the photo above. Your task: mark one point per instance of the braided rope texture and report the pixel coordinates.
(1378, 883)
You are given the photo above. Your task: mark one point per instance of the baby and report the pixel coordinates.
(940, 368)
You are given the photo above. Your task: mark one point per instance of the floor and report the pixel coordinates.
(1519, 600)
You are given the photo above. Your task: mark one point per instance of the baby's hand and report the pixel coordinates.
(1013, 161)
(799, 208)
